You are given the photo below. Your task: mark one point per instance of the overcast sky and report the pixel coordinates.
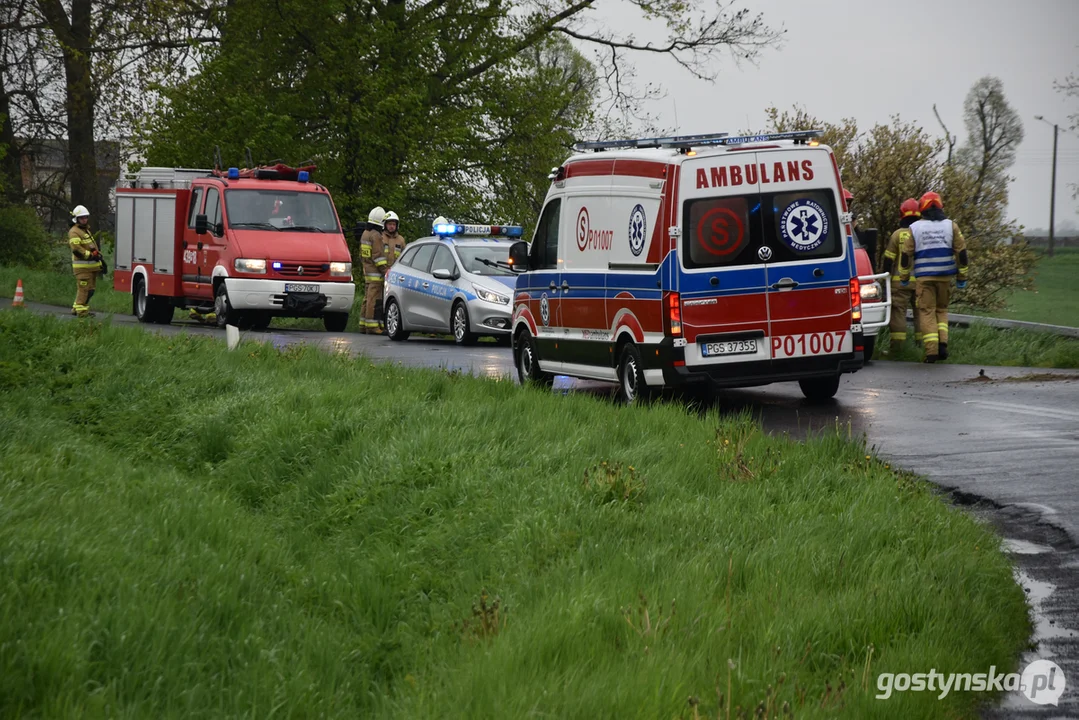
(871, 60)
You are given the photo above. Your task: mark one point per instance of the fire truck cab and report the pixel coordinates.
(709, 259)
(248, 245)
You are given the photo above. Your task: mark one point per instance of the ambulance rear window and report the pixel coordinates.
(803, 225)
(721, 232)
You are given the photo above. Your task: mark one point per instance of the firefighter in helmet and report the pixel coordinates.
(934, 252)
(86, 260)
(370, 252)
(392, 247)
(901, 296)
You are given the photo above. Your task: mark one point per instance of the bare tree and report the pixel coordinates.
(994, 130)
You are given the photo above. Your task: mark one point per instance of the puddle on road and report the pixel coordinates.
(1022, 547)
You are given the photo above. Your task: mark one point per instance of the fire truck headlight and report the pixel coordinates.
(340, 269)
(250, 265)
(872, 292)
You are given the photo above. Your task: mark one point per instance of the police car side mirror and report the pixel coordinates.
(442, 274)
(519, 256)
(201, 225)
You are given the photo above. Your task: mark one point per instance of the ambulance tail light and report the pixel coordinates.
(855, 300)
(674, 313)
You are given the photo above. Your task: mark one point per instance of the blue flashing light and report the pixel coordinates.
(277, 266)
(513, 230)
(302, 176)
(234, 173)
(447, 229)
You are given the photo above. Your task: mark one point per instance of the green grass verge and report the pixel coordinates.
(984, 345)
(186, 531)
(1055, 297)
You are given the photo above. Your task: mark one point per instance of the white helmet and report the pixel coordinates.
(438, 221)
(78, 212)
(391, 215)
(375, 216)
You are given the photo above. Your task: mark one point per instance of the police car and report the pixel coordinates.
(457, 281)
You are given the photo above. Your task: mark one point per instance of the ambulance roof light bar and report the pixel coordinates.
(653, 142)
(800, 137)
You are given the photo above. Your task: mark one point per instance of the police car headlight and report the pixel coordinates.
(491, 296)
(872, 291)
(339, 269)
(249, 265)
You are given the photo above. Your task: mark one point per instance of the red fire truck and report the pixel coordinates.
(249, 245)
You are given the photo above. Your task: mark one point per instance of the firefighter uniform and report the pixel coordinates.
(934, 252)
(85, 261)
(901, 296)
(390, 248)
(370, 251)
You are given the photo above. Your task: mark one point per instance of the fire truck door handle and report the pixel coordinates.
(784, 284)
(185, 244)
(199, 246)
(552, 286)
(565, 286)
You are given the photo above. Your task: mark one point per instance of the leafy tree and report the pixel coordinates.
(451, 107)
(890, 162)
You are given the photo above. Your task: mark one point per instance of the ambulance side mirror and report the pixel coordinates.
(201, 225)
(519, 256)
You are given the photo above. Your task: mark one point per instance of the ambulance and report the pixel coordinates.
(249, 245)
(704, 260)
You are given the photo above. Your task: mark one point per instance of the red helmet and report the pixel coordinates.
(909, 208)
(847, 196)
(930, 199)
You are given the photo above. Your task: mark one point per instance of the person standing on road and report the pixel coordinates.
(370, 244)
(392, 247)
(86, 261)
(901, 296)
(935, 251)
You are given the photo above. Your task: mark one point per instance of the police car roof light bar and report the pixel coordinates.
(653, 142)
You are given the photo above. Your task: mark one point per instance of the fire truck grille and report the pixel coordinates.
(300, 270)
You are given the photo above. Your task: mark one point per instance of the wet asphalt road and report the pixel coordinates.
(1005, 444)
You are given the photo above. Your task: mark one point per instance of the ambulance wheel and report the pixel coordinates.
(527, 361)
(631, 386)
(395, 328)
(335, 322)
(462, 330)
(819, 389)
(868, 344)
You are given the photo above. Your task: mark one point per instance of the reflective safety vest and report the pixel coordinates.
(933, 251)
(82, 247)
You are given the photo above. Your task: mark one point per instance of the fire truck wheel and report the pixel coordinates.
(527, 361)
(223, 308)
(260, 320)
(868, 344)
(395, 328)
(462, 330)
(631, 386)
(335, 322)
(819, 389)
(147, 308)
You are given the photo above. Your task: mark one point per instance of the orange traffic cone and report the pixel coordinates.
(18, 301)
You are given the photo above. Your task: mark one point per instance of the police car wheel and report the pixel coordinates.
(819, 389)
(631, 386)
(462, 332)
(394, 327)
(527, 361)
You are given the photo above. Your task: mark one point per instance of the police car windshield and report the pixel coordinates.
(474, 257)
(280, 209)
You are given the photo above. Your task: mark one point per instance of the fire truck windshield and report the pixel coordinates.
(280, 210)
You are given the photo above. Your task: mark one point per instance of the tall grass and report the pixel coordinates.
(985, 345)
(190, 532)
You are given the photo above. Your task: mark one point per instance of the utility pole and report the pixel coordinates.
(1053, 192)
(1053, 185)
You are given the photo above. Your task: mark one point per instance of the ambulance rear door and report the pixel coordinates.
(809, 271)
(722, 278)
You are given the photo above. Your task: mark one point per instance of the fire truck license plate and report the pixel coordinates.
(728, 347)
(823, 343)
(298, 287)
